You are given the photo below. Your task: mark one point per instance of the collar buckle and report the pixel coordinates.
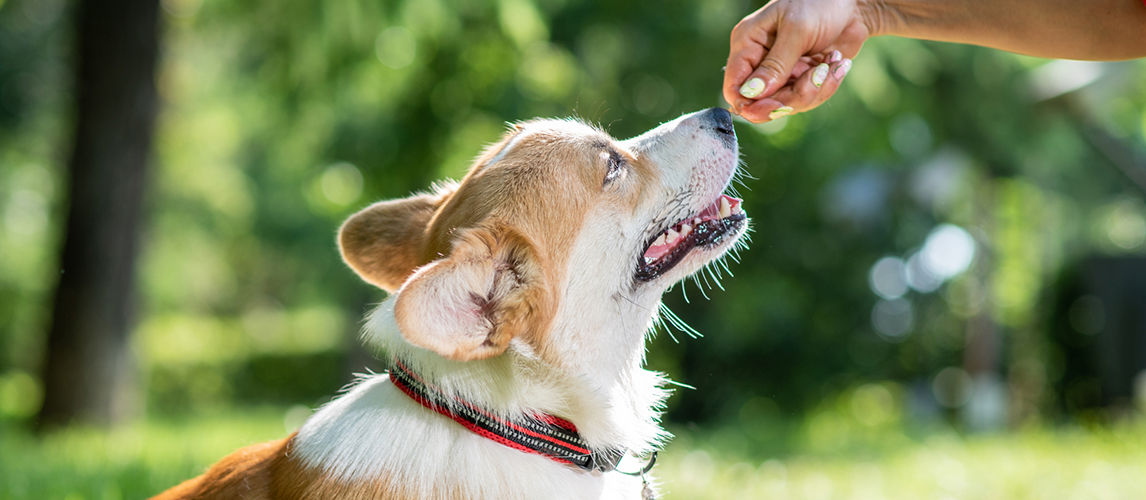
(605, 460)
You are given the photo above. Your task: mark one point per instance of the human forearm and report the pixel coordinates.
(1090, 30)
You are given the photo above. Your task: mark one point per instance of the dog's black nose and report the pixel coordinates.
(720, 119)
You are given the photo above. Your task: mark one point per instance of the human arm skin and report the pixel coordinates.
(1092, 30)
(785, 38)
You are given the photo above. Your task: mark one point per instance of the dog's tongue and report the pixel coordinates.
(657, 251)
(724, 206)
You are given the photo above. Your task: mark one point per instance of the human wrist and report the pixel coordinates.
(881, 17)
(924, 19)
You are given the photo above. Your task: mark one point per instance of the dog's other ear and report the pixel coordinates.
(384, 242)
(491, 288)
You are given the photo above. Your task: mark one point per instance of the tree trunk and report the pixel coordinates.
(88, 372)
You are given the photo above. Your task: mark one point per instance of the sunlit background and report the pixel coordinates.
(945, 294)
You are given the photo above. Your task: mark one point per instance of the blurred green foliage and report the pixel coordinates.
(282, 118)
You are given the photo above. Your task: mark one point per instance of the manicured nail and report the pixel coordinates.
(819, 75)
(752, 88)
(835, 57)
(843, 69)
(780, 112)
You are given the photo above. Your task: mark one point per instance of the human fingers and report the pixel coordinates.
(828, 77)
(835, 77)
(792, 42)
(749, 41)
(740, 64)
(759, 110)
(806, 93)
(802, 66)
(817, 86)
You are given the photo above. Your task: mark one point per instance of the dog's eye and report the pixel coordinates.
(615, 166)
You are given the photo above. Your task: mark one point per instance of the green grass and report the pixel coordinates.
(132, 462)
(1107, 464)
(1065, 464)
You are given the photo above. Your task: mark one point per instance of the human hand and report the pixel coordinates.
(780, 43)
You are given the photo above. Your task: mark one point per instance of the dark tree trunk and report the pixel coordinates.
(88, 370)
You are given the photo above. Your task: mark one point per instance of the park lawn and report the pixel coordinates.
(1042, 464)
(139, 460)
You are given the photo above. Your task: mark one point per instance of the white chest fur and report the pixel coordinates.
(377, 431)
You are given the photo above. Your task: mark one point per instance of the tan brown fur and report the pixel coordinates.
(543, 188)
(268, 471)
(383, 243)
(247, 474)
(519, 216)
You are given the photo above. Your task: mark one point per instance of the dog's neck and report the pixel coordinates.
(598, 385)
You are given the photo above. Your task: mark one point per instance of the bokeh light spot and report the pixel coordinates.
(20, 395)
(818, 487)
(697, 467)
(547, 72)
(893, 319)
(1126, 226)
(649, 95)
(952, 387)
(774, 475)
(948, 251)
(181, 8)
(873, 405)
(26, 213)
(295, 416)
(888, 278)
(396, 47)
(342, 183)
(521, 21)
(919, 277)
(910, 136)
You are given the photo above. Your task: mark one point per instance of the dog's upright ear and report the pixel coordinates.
(384, 242)
(491, 288)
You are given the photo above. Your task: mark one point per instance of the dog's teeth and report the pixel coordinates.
(696, 221)
(685, 229)
(736, 209)
(660, 240)
(725, 209)
(672, 235)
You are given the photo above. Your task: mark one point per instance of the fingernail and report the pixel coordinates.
(780, 112)
(752, 88)
(835, 57)
(819, 75)
(843, 69)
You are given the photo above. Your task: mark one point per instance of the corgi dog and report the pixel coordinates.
(520, 301)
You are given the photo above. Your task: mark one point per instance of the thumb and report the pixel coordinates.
(777, 65)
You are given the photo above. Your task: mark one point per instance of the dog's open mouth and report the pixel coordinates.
(706, 229)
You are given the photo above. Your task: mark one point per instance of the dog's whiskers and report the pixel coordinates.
(679, 323)
(660, 323)
(698, 285)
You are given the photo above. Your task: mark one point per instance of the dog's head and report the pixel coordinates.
(554, 229)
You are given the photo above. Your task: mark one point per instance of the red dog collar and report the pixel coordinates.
(542, 434)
